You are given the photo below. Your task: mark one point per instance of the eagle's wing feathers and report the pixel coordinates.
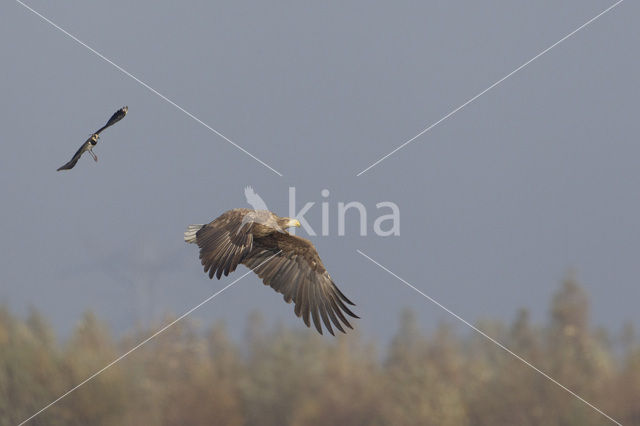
(224, 243)
(292, 267)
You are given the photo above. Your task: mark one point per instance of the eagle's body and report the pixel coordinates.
(93, 140)
(288, 263)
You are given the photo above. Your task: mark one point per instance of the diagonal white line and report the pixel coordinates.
(491, 339)
(492, 86)
(121, 357)
(128, 74)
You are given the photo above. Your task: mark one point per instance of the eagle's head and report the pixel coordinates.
(288, 222)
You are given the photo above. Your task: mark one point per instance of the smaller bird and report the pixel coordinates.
(88, 145)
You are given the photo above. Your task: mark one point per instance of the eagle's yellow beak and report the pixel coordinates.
(293, 222)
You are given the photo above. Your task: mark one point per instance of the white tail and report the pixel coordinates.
(190, 234)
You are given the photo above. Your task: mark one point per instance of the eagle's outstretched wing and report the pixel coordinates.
(223, 242)
(291, 266)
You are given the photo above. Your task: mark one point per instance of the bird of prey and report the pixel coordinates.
(288, 263)
(88, 145)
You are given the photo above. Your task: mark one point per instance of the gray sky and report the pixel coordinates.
(537, 177)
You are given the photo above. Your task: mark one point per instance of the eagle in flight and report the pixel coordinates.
(288, 263)
(88, 145)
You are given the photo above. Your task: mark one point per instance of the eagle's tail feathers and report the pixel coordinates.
(190, 234)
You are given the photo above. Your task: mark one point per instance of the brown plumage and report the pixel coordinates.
(288, 263)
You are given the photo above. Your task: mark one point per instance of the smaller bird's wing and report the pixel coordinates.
(76, 156)
(117, 116)
(224, 242)
(291, 266)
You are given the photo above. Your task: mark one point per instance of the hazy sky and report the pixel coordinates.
(535, 178)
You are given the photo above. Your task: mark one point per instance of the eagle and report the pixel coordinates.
(286, 262)
(88, 145)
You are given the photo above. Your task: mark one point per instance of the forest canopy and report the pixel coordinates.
(280, 376)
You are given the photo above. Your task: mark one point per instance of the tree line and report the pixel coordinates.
(281, 376)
